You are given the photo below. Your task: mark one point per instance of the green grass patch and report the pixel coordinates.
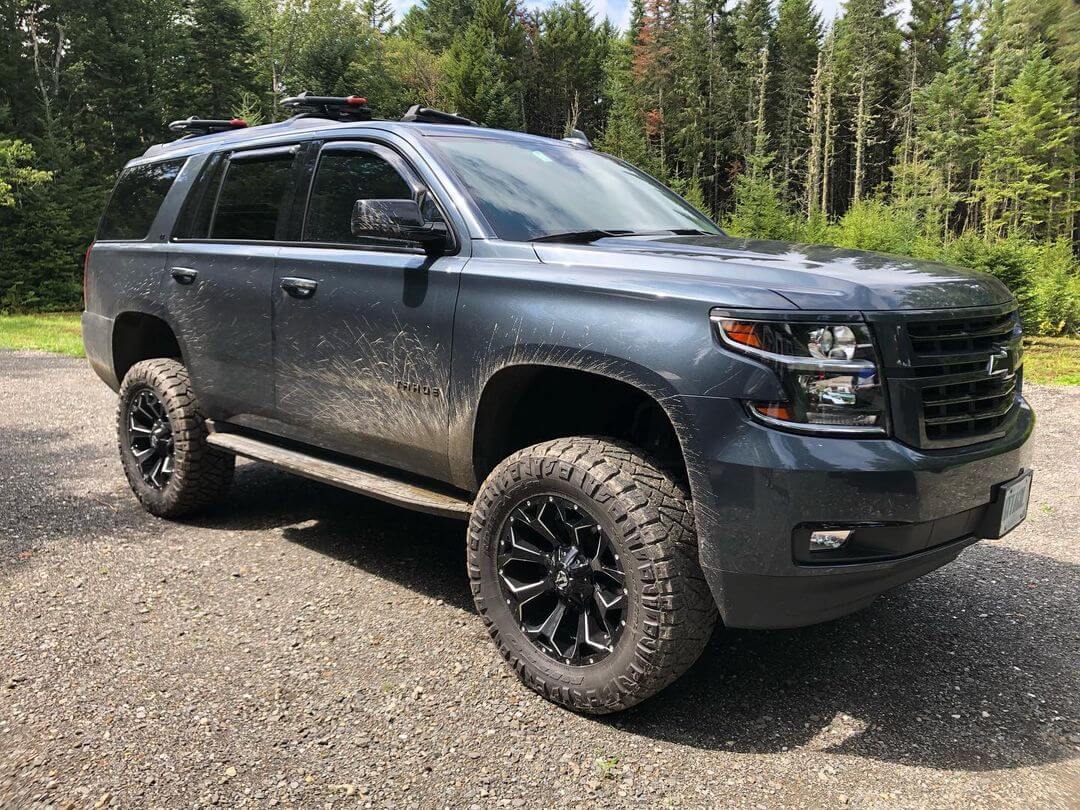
(57, 332)
(1052, 360)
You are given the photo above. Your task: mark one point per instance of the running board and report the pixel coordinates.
(346, 476)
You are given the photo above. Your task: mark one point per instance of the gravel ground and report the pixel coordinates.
(309, 647)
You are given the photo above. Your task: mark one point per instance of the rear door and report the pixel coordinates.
(220, 274)
(362, 326)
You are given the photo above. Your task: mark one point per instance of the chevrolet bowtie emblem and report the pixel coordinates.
(998, 364)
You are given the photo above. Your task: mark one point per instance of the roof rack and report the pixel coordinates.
(192, 127)
(427, 115)
(336, 108)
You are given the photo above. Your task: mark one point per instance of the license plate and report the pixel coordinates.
(1014, 503)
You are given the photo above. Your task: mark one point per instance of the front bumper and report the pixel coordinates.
(756, 489)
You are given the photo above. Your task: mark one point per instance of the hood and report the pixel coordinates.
(809, 276)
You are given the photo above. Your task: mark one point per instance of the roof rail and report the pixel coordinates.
(192, 127)
(336, 108)
(427, 115)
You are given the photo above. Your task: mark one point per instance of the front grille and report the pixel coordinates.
(967, 336)
(954, 379)
(967, 409)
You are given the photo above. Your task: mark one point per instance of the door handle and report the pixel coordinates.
(183, 275)
(299, 287)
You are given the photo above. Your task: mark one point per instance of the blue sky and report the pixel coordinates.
(618, 10)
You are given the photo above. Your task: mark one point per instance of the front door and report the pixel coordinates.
(362, 327)
(220, 276)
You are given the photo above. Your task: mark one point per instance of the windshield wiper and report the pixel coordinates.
(584, 237)
(579, 237)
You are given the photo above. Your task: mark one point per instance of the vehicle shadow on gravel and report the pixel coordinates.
(962, 670)
(421, 552)
(884, 683)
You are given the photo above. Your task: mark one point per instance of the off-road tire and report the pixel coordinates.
(649, 521)
(201, 474)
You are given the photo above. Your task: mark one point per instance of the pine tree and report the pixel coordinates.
(378, 14)
(624, 131)
(794, 49)
(927, 37)
(437, 23)
(753, 23)
(218, 68)
(867, 57)
(485, 66)
(1029, 152)
(758, 210)
(567, 73)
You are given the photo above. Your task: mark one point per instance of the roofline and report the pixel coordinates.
(307, 126)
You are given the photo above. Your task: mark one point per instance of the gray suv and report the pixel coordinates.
(646, 423)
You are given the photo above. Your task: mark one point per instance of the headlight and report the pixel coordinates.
(826, 367)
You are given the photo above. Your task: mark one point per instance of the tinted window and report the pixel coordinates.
(528, 189)
(136, 199)
(252, 196)
(194, 220)
(341, 179)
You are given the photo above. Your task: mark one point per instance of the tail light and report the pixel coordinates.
(85, 272)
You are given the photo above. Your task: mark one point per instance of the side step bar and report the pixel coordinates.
(346, 476)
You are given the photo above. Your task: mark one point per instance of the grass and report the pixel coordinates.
(1052, 361)
(1047, 360)
(57, 332)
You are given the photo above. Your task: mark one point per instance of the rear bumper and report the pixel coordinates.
(97, 333)
(756, 490)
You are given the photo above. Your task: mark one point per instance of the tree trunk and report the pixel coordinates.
(813, 161)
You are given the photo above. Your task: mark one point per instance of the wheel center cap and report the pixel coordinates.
(159, 435)
(562, 580)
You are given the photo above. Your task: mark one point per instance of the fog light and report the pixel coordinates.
(829, 540)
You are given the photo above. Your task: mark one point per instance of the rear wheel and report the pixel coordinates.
(583, 563)
(161, 435)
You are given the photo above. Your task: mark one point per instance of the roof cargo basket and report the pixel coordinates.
(192, 127)
(427, 115)
(336, 108)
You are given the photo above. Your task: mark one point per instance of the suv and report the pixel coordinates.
(646, 423)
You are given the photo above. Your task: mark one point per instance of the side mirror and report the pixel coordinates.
(397, 219)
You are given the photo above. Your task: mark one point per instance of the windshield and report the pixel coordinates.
(528, 190)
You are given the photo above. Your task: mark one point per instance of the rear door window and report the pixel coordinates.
(254, 195)
(136, 199)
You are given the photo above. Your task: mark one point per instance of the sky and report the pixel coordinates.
(618, 11)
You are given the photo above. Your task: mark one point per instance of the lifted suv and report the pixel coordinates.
(646, 423)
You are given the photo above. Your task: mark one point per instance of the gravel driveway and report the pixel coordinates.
(308, 647)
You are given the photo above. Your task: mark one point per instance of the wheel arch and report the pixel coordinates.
(523, 403)
(138, 336)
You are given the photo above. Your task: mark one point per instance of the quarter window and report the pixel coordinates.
(341, 179)
(252, 197)
(136, 199)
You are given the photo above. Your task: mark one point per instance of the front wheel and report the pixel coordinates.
(161, 435)
(583, 563)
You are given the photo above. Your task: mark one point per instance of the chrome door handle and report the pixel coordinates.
(299, 287)
(183, 275)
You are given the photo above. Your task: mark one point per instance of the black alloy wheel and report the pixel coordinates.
(562, 579)
(150, 438)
